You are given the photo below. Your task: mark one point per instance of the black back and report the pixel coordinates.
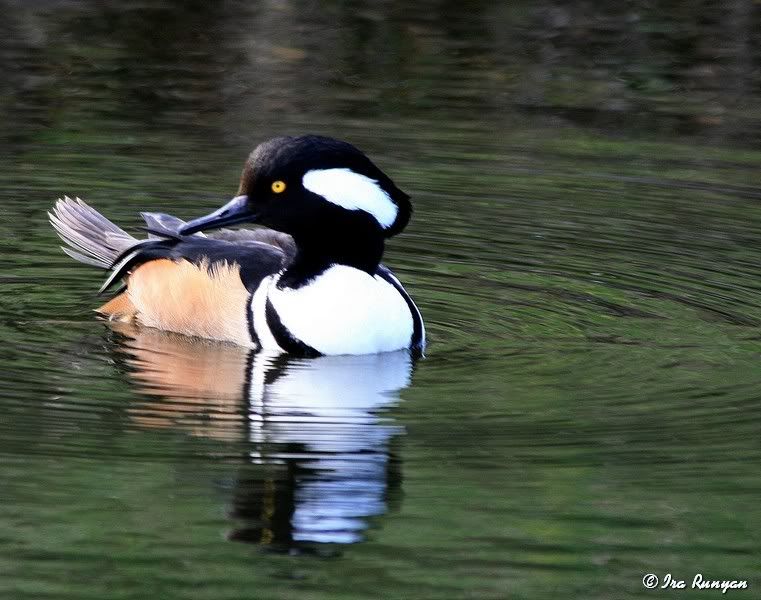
(256, 259)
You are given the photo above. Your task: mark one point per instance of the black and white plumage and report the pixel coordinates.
(309, 281)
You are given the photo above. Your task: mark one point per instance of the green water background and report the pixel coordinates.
(585, 251)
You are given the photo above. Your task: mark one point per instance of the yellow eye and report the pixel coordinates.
(278, 186)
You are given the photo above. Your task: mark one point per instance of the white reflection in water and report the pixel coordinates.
(328, 407)
(318, 462)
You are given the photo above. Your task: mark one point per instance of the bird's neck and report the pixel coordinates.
(316, 254)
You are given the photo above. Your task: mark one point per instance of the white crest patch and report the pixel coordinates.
(345, 311)
(352, 191)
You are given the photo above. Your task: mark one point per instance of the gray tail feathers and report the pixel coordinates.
(91, 237)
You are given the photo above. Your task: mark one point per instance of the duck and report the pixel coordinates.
(306, 281)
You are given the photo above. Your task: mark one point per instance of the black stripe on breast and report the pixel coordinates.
(283, 337)
(250, 322)
(416, 339)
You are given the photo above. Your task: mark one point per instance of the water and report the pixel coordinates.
(584, 250)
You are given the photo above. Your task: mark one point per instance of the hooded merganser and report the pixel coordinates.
(309, 282)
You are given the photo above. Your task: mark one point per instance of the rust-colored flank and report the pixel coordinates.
(186, 298)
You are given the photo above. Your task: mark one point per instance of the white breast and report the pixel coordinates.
(345, 311)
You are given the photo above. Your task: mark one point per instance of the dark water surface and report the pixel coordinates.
(585, 251)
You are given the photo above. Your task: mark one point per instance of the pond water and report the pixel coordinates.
(585, 251)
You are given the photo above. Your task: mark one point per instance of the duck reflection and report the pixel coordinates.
(318, 462)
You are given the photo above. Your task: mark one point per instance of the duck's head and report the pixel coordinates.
(311, 186)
